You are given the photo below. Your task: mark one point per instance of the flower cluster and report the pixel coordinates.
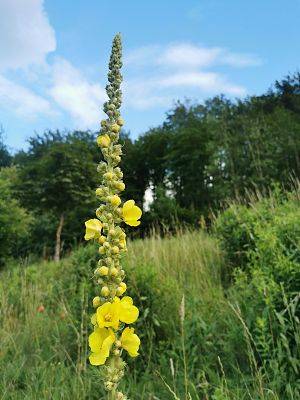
(113, 311)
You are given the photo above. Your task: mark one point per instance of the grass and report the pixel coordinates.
(198, 350)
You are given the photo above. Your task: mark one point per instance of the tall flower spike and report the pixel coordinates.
(112, 311)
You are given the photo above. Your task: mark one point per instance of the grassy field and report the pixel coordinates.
(195, 341)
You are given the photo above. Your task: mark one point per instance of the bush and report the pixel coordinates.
(262, 246)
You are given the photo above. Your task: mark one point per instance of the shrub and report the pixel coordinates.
(261, 243)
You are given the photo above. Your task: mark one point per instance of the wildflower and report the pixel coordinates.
(100, 342)
(131, 213)
(112, 310)
(130, 342)
(93, 229)
(41, 308)
(108, 315)
(128, 313)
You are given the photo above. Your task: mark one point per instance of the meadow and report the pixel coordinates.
(219, 313)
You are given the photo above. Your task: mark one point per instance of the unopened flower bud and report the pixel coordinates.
(120, 121)
(114, 271)
(109, 176)
(103, 123)
(99, 192)
(105, 291)
(103, 271)
(121, 289)
(102, 250)
(108, 385)
(96, 301)
(114, 200)
(115, 250)
(102, 239)
(115, 128)
(116, 352)
(103, 140)
(120, 185)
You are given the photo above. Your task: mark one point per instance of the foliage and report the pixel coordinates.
(14, 220)
(56, 177)
(262, 245)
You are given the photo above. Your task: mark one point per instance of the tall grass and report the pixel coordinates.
(203, 351)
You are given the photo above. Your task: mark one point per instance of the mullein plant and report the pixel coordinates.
(114, 311)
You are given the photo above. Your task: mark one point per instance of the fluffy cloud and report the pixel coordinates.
(163, 73)
(72, 92)
(187, 55)
(23, 101)
(27, 36)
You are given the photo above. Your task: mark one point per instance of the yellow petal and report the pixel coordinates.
(100, 342)
(108, 315)
(130, 342)
(128, 205)
(97, 358)
(128, 313)
(96, 339)
(93, 229)
(131, 213)
(132, 222)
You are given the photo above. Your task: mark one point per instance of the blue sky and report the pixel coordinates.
(53, 57)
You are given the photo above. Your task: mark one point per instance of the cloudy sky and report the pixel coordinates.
(53, 57)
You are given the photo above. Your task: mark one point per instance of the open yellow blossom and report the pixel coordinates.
(108, 315)
(128, 313)
(92, 229)
(100, 342)
(130, 342)
(131, 213)
(103, 140)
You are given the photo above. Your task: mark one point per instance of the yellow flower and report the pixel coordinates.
(93, 229)
(108, 315)
(131, 213)
(103, 140)
(128, 313)
(130, 341)
(100, 342)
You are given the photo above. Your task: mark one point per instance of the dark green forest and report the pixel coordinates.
(201, 156)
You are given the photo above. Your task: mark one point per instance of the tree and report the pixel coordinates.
(57, 175)
(5, 157)
(14, 219)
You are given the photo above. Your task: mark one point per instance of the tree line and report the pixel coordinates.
(201, 155)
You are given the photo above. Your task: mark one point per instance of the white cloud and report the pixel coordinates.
(187, 55)
(26, 34)
(181, 68)
(72, 92)
(22, 100)
(26, 39)
(206, 81)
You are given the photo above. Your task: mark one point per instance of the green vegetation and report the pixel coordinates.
(237, 331)
(200, 156)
